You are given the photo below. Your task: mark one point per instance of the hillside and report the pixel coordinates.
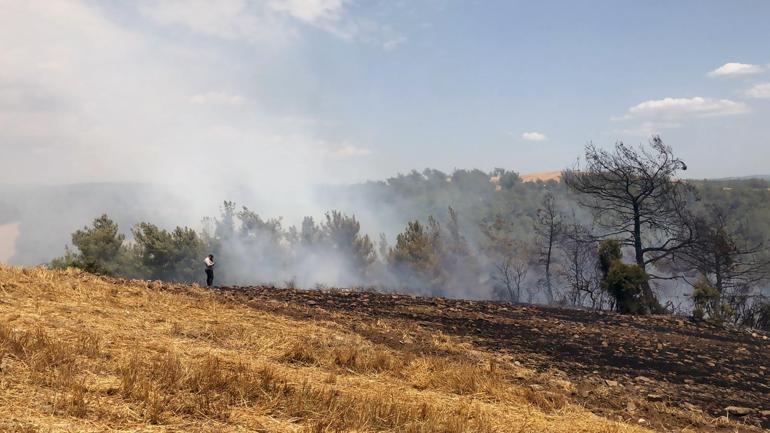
(542, 176)
(85, 353)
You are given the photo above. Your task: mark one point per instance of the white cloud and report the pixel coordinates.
(225, 19)
(349, 151)
(682, 108)
(267, 21)
(761, 91)
(220, 98)
(735, 69)
(534, 136)
(392, 44)
(310, 11)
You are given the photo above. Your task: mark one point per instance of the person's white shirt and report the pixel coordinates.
(209, 263)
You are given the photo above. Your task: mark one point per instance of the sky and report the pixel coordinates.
(280, 94)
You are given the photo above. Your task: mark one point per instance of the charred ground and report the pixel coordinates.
(80, 352)
(613, 360)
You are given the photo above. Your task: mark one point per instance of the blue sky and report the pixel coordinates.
(342, 91)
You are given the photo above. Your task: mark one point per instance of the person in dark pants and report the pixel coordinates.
(209, 261)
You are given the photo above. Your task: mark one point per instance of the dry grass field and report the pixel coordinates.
(80, 353)
(542, 175)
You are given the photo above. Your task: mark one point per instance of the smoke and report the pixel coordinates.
(179, 105)
(89, 95)
(157, 111)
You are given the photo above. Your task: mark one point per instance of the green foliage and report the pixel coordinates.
(342, 234)
(622, 281)
(457, 258)
(98, 248)
(417, 255)
(705, 298)
(435, 259)
(173, 256)
(310, 234)
(486, 252)
(609, 252)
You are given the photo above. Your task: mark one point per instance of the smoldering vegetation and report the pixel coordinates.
(681, 246)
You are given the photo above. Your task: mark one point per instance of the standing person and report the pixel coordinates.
(209, 261)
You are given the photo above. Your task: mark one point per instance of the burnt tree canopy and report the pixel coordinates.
(636, 198)
(726, 263)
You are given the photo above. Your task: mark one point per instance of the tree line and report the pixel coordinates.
(623, 232)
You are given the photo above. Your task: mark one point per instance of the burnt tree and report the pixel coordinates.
(548, 229)
(637, 199)
(509, 258)
(730, 266)
(580, 263)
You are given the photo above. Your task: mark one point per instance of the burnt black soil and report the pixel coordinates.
(661, 358)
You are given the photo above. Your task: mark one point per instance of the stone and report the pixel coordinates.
(656, 397)
(738, 410)
(631, 406)
(765, 413)
(611, 382)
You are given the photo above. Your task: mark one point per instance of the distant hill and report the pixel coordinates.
(36, 221)
(556, 175)
(757, 176)
(542, 176)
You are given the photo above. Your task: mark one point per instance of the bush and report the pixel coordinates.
(622, 281)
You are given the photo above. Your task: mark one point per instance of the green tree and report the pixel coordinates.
(173, 256)
(706, 301)
(458, 261)
(342, 234)
(310, 234)
(622, 281)
(98, 248)
(416, 257)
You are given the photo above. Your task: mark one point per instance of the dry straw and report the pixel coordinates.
(84, 353)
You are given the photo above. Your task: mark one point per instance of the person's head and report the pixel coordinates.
(211, 256)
